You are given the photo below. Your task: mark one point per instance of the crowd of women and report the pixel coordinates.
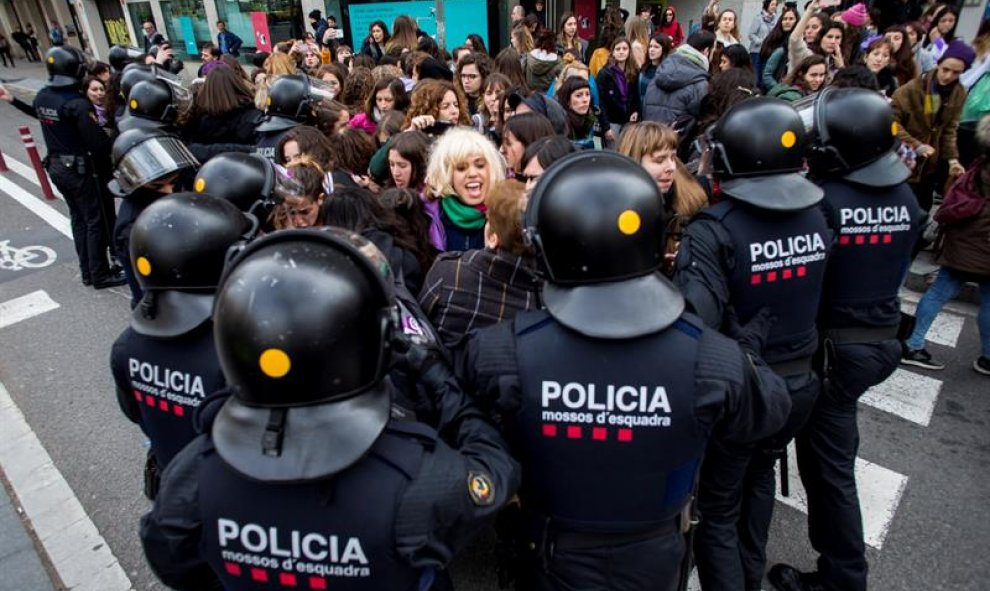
(423, 147)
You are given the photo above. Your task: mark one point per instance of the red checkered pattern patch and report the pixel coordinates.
(593, 433)
(160, 403)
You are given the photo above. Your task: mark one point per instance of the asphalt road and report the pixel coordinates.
(927, 477)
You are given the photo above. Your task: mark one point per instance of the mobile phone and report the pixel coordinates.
(828, 3)
(438, 128)
(339, 34)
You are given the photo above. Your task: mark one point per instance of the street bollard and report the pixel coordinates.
(32, 150)
(3, 163)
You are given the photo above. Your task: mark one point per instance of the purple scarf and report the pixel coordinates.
(438, 237)
(622, 85)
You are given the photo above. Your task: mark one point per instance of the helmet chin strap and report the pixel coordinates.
(149, 305)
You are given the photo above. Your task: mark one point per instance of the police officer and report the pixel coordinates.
(876, 220)
(120, 56)
(291, 102)
(303, 477)
(609, 395)
(763, 246)
(165, 364)
(75, 144)
(150, 103)
(148, 163)
(246, 180)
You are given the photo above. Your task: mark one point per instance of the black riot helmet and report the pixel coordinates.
(134, 73)
(291, 100)
(242, 179)
(66, 66)
(144, 155)
(597, 224)
(757, 153)
(150, 104)
(179, 245)
(303, 323)
(120, 56)
(854, 136)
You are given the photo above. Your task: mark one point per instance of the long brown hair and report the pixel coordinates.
(902, 60)
(630, 69)
(639, 140)
(223, 91)
(426, 99)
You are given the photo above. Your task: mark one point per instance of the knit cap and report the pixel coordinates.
(856, 15)
(959, 50)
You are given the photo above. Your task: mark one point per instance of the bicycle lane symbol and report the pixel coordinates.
(15, 258)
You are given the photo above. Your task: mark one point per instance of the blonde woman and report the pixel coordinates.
(461, 171)
(654, 146)
(639, 38)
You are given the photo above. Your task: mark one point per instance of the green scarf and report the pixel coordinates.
(465, 217)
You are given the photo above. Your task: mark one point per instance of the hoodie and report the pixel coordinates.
(677, 89)
(673, 30)
(541, 69)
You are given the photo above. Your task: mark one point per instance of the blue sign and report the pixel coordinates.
(463, 18)
(189, 36)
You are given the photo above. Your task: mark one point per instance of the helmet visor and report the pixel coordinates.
(152, 160)
(320, 90)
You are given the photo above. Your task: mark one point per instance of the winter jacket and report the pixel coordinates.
(617, 104)
(773, 62)
(541, 69)
(470, 290)
(233, 127)
(680, 84)
(938, 130)
(758, 30)
(645, 78)
(965, 216)
(372, 49)
(786, 92)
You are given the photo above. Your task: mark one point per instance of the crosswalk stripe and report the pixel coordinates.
(28, 174)
(906, 394)
(52, 216)
(879, 490)
(26, 306)
(945, 328)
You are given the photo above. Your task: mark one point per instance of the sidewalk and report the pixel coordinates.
(19, 560)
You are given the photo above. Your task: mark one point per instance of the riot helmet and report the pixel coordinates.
(756, 153)
(596, 222)
(149, 104)
(142, 156)
(134, 73)
(243, 179)
(66, 66)
(303, 324)
(291, 100)
(854, 136)
(179, 245)
(120, 56)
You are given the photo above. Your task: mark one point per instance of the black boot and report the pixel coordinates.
(787, 578)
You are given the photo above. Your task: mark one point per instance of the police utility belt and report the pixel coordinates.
(792, 367)
(68, 161)
(575, 540)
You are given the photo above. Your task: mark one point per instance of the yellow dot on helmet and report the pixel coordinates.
(134, 104)
(268, 102)
(893, 128)
(51, 60)
(144, 266)
(629, 222)
(274, 363)
(788, 139)
(200, 185)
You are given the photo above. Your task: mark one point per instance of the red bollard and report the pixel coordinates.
(3, 163)
(32, 150)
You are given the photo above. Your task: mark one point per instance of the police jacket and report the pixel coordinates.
(388, 521)
(875, 229)
(161, 382)
(738, 255)
(69, 123)
(609, 440)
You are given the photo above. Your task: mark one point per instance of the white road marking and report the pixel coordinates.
(879, 490)
(26, 306)
(906, 394)
(693, 583)
(945, 329)
(28, 174)
(80, 555)
(52, 216)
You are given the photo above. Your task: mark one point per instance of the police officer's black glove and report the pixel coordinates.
(753, 336)
(414, 357)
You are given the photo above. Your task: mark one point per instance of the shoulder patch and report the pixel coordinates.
(480, 488)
